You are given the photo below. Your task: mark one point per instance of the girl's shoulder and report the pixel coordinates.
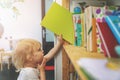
(29, 73)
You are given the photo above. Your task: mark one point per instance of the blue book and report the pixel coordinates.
(114, 24)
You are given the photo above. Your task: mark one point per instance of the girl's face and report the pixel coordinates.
(38, 56)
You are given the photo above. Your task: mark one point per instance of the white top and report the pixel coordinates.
(28, 74)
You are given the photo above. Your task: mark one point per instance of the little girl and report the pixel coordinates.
(30, 60)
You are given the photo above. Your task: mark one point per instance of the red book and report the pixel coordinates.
(114, 25)
(108, 40)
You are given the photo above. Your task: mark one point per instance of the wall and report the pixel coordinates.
(22, 20)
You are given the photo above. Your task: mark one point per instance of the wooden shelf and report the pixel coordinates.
(71, 53)
(75, 53)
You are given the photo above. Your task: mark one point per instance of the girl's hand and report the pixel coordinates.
(42, 65)
(42, 69)
(60, 39)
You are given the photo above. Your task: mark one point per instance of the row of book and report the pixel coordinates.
(100, 29)
(87, 27)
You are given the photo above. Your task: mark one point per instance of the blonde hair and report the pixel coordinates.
(24, 47)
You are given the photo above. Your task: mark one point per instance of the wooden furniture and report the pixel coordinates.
(5, 57)
(74, 53)
(71, 53)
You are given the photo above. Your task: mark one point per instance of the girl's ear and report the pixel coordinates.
(29, 57)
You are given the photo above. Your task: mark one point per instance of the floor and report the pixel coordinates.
(8, 74)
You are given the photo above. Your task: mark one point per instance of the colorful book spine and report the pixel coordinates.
(88, 24)
(99, 43)
(114, 24)
(79, 37)
(94, 37)
(78, 29)
(83, 27)
(108, 40)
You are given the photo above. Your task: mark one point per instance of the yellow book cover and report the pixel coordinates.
(59, 20)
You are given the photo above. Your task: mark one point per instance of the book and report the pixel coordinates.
(78, 29)
(108, 39)
(99, 68)
(94, 35)
(99, 42)
(114, 24)
(83, 30)
(59, 20)
(90, 14)
(88, 25)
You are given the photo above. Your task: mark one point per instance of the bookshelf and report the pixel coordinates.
(75, 53)
(72, 53)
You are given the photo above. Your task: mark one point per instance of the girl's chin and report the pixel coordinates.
(39, 62)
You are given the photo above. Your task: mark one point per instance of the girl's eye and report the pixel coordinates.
(39, 49)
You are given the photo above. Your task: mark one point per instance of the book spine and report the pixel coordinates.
(103, 40)
(82, 26)
(94, 38)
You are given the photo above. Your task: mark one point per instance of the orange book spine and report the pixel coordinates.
(94, 38)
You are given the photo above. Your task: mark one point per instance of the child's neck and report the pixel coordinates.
(30, 65)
